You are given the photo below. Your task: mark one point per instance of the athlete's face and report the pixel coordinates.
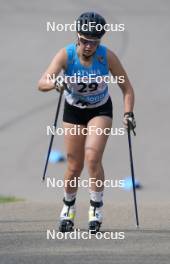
(88, 45)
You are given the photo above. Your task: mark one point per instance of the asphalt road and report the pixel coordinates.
(29, 234)
(26, 50)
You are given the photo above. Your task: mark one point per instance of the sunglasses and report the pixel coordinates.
(86, 41)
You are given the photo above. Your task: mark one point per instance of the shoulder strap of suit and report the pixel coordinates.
(70, 53)
(101, 55)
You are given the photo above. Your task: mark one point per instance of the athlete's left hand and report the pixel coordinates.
(129, 120)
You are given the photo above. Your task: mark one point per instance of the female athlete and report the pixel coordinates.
(87, 104)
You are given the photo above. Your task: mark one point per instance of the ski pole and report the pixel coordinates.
(132, 174)
(52, 136)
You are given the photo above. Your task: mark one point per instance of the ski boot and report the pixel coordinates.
(95, 216)
(67, 216)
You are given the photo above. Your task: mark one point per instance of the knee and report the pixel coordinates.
(74, 169)
(92, 160)
(74, 166)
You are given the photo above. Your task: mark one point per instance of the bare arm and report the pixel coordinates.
(117, 69)
(58, 63)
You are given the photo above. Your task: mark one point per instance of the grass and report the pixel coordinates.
(9, 199)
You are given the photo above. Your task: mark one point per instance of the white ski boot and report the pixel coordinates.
(95, 216)
(67, 216)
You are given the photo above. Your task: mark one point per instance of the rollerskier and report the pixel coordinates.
(87, 104)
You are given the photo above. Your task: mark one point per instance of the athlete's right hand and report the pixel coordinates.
(59, 87)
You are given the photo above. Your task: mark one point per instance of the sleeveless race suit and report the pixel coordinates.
(85, 85)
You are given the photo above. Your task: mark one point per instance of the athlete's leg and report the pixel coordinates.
(75, 161)
(74, 145)
(94, 148)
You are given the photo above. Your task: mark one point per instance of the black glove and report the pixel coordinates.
(129, 121)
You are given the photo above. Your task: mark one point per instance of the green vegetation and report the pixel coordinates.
(9, 199)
